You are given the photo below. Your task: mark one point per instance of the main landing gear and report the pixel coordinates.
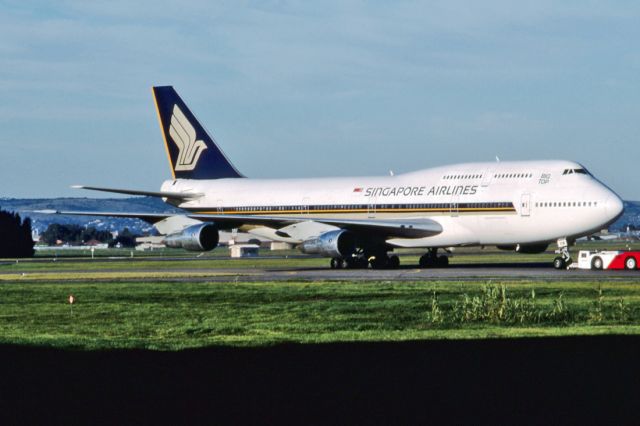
(351, 263)
(432, 260)
(564, 260)
(382, 261)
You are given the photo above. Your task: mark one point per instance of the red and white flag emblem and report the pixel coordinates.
(357, 189)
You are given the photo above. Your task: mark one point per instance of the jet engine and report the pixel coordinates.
(338, 243)
(526, 248)
(200, 237)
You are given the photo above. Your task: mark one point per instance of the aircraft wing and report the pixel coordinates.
(184, 196)
(410, 228)
(391, 228)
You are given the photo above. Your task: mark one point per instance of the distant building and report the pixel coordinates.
(231, 238)
(278, 245)
(149, 243)
(244, 250)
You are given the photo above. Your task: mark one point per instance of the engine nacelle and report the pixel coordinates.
(526, 248)
(338, 243)
(200, 237)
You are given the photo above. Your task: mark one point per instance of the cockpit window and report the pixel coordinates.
(576, 171)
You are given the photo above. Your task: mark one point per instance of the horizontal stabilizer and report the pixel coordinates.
(161, 194)
(147, 217)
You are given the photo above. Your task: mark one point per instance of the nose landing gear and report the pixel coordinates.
(564, 260)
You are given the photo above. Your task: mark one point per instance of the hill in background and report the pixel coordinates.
(40, 222)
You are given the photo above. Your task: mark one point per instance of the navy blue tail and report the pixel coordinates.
(193, 154)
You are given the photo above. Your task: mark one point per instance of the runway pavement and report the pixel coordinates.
(459, 272)
(469, 272)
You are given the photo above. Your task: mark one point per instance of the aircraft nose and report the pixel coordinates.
(614, 206)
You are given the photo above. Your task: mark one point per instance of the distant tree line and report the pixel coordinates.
(75, 234)
(15, 236)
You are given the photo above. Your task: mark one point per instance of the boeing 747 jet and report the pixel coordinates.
(359, 221)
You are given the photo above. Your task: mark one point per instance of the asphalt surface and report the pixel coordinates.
(469, 272)
(458, 272)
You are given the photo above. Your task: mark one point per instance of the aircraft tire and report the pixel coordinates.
(380, 262)
(394, 262)
(443, 261)
(559, 263)
(357, 263)
(425, 261)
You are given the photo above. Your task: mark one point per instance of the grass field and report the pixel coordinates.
(175, 315)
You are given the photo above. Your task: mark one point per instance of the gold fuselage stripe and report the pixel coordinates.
(234, 211)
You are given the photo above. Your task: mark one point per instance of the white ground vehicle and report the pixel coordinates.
(607, 259)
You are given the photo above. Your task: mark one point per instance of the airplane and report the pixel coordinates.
(359, 221)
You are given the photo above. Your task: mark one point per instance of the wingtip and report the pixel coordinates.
(77, 186)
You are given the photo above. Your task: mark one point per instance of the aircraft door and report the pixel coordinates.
(525, 205)
(219, 208)
(371, 207)
(305, 206)
(486, 178)
(454, 208)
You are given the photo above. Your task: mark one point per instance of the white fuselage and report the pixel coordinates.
(502, 203)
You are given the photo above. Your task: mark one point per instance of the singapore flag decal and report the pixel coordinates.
(183, 135)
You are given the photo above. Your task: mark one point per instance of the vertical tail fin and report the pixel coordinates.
(193, 153)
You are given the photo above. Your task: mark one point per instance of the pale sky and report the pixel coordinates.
(302, 89)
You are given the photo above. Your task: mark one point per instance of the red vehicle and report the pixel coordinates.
(607, 259)
(625, 260)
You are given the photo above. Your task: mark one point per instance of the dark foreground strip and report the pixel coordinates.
(541, 381)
